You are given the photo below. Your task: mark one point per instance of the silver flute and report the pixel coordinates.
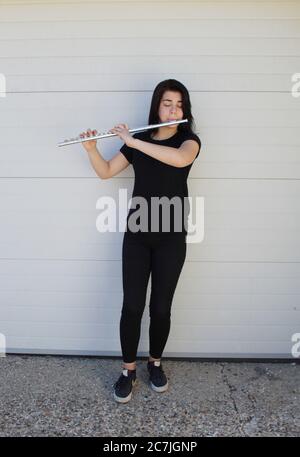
(106, 134)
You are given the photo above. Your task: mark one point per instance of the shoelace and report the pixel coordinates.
(121, 381)
(156, 372)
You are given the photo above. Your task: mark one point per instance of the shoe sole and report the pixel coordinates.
(159, 389)
(125, 399)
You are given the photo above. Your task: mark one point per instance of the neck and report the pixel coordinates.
(164, 133)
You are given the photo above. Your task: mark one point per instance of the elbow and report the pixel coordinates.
(183, 163)
(105, 175)
(101, 176)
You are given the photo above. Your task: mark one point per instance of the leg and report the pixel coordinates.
(151, 359)
(167, 262)
(136, 267)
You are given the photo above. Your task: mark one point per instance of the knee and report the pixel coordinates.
(160, 313)
(131, 312)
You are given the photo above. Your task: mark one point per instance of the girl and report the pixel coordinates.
(162, 159)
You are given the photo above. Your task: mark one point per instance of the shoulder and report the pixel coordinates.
(191, 136)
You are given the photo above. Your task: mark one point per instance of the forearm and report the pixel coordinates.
(99, 164)
(166, 154)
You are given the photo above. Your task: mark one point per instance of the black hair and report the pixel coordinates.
(175, 86)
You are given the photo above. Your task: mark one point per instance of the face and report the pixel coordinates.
(170, 107)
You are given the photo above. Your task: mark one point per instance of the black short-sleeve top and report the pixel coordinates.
(154, 178)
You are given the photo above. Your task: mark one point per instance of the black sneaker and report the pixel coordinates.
(123, 387)
(158, 380)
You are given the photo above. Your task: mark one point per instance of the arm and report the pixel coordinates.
(99, 164)
(107, 168)
(177, 157)
(103, 168)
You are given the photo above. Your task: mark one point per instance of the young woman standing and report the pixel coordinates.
(162, 159)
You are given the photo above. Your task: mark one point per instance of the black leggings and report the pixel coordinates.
(164, 257)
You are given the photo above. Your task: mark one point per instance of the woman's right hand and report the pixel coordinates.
(88, 145)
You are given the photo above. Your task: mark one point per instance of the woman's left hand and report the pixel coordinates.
(122, 131)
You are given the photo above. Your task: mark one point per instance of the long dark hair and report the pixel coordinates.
(175, 86)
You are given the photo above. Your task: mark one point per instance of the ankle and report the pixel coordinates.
(129, 366)
(151, 359)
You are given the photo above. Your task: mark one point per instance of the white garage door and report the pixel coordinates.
(73, 65)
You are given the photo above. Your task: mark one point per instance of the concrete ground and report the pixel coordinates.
(72, 396)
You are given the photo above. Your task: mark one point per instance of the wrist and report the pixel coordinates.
(93, 150)
(133, 143)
